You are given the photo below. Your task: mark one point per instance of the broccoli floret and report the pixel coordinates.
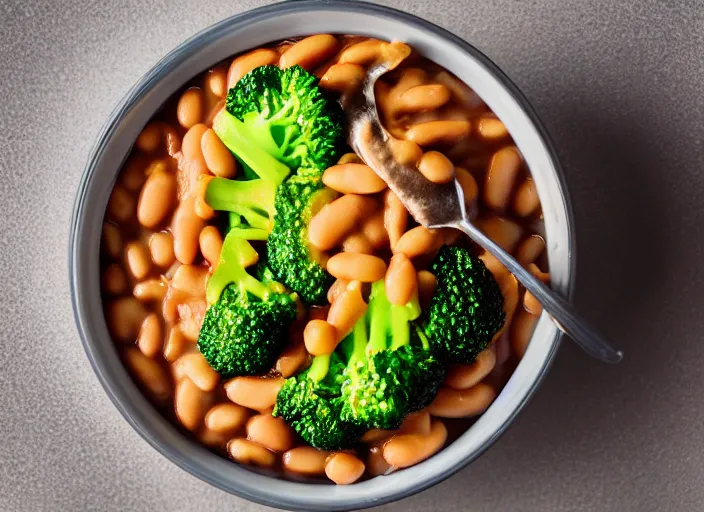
(467, 309)
(392, 371)
(246, 325)
(286, 114)
(311, 403)
(290, 257)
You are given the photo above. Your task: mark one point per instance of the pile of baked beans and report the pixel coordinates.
(161, 242)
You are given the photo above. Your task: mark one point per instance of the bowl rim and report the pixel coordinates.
(156, 73)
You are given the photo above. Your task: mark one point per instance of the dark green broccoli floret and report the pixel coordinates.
(311, 403)
(286, 114)
(290, 257)
(246, 326)
(467, 309)
(391, 372)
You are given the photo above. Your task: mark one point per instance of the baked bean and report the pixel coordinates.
(270, 432)
(344, 468)
(509, 289)
(157, 197)
(246, 63)
(349, 158)
(149, 140)
(357, 242)
(461, 93)
(531, 304)
(186, 227)
(374, 230)
(254, 392)
(395, 217)
(465, 403)
(490, 129)
(355, 266)
(135, 172)
(310, 52)
(305, 460)
(543, 276)
(353, 179)
(226, 418)
(191, 148)
(191, 314)
(138, 261)
(335, 220)
(501, 230)
(464, 376)
(148, 373)
(320, 337)
(438, 132)
(526, 201)
(405, 152)
(189, 110)
(501, 177)
(347, 308)
(427, 284)
(470, 189)
(150, 336)
(173, 139)
(416, 423)
(436, 167)
(363, 54)
(216, 83)
(201, 206)
(521, 331)
(161, 246)
(217, 157)
(423, 97)
(210, 242)
(194, 366)
(376, 464)
(342, 77)
(291, 360)
(250, 453)
(114, 279)
(191, 279)
(530, 249)
(419, 241)
(406, 450)
(191, 404)
(375, 435)
(175, 345)
(337, 288)
(401, 281)
(112, 240)
(122, 204)
(213, 439)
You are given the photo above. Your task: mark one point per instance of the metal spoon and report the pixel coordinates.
(442, 205)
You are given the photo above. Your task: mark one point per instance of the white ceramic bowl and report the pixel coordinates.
(235, 35)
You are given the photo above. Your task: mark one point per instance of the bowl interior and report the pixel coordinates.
(230, 37)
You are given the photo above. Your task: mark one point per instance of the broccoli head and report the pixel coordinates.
(290, 257)
(391, 371)
(246, 325)
(286, 114)
(467, 309)
(311, 403)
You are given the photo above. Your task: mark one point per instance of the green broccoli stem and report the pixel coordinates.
(235, 253)
(319, 367)
(253, 200)
(235, 135)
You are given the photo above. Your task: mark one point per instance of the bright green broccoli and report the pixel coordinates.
(246, 325)
(392, 371)
(311, 403)
(467, 309)
(286, 114)
(290, 257)
(252, 199)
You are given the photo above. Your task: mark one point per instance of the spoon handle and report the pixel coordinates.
(561, 312)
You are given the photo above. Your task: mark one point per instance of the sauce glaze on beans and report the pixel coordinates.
(160, 242)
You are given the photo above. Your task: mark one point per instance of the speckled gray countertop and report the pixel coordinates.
(620, 85)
